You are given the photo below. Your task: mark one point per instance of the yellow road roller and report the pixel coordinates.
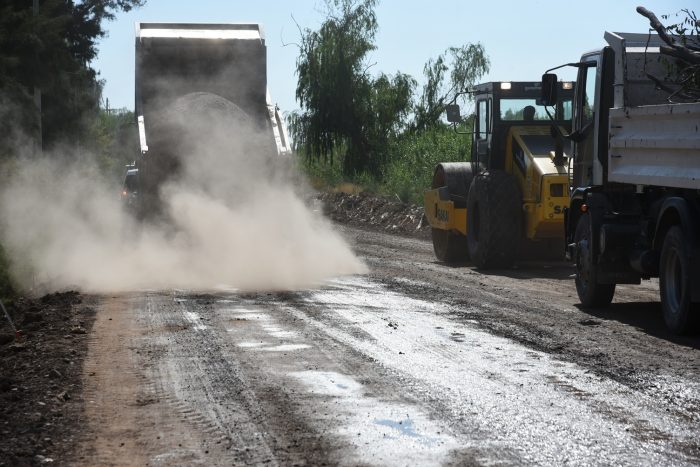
(512, 193)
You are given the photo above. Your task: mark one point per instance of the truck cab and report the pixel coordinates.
(636, 176)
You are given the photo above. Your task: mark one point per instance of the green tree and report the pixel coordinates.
(388, 113)
(348, 113)
(114, 141)
(52, 50)
(455, 70)
(345, 111)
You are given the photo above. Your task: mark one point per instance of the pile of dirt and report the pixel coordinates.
(374, 212)
(40, 376)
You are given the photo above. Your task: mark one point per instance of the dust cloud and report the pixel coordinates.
(231, 215)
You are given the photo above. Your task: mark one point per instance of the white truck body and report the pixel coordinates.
(655, 145)
(651, 142)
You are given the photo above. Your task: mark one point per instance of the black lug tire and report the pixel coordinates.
(680, 315)
(449, 247)
(494, 219)
(590, 292)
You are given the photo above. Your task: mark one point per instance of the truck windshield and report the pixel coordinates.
(516, 110)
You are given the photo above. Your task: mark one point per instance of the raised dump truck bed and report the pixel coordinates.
(228, 60)
(196, 83)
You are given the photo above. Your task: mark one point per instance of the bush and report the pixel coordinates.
(328, 176)
(414, 157)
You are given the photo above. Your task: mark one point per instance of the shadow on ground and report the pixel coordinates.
(645, 316)
(527, 270)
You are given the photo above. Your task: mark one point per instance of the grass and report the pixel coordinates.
(413, 159)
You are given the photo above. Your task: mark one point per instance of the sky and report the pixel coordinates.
(522, 38)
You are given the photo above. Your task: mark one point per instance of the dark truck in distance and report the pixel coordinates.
(130, 187)
(634, 211)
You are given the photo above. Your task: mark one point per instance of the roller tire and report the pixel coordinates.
(680, 314)
(591, 293)
(451, 247)
(456, 176)
(494, 219)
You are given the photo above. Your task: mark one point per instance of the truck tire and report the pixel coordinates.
(451, 247)
(680, 315)
(494, 219)
(590, 292)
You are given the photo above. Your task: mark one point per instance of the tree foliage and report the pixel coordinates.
(455, 70)
(52, 50)
(342, 105)
(347, 112)
(683, 48)
(688, 32)
(114, 141)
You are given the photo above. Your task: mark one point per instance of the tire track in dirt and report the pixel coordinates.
(129, 420)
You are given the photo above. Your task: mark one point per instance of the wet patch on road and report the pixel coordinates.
(382, 431)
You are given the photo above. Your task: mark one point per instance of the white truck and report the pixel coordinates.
(186, 69)
(634, 210)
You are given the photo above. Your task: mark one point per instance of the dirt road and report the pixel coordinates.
(415, 363)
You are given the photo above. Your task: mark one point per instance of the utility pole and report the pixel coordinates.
(37, 91)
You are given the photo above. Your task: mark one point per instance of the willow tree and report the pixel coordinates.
(344, 110)
(455, 70)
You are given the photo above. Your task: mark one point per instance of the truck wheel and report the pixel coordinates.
(674, 283)
(451, 247)
(590, 292)
(494, 219)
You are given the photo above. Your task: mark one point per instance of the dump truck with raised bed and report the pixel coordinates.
(634, 211)
(513, 190)
(190, 77)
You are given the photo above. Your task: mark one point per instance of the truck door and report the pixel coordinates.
(483, 130)
(584, 123)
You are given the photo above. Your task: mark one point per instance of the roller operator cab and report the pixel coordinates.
(635, 205)
(515, 187)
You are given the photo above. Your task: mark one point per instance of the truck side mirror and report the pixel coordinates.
(453, 113)
(549, 89)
